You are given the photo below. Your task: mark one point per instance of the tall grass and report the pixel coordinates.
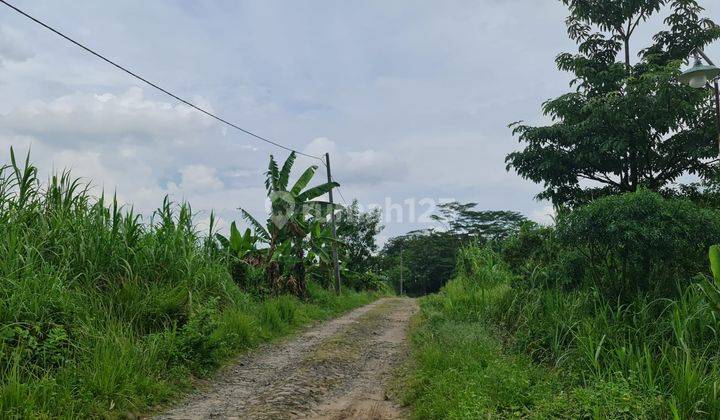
(588, 356)
(102, 313)
(667, 349)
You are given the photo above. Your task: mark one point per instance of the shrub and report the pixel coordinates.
(639, 242)
(531, 246)
(368, 280)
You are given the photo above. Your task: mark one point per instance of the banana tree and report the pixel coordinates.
(290, 210)
(241, 246)
(319, 244)
(711, 287)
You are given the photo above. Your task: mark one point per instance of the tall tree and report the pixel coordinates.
(357, 231)
(627, 124)
(428, 255)
(463, 220)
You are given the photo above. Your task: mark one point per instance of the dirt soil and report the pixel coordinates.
(339, 369)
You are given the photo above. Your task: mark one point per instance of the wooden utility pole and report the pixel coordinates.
(401, 271)
(336, 265)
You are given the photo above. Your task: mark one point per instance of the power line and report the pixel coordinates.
(342, 197)
(154, 85)
(163, 90)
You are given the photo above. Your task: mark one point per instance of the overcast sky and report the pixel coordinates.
(412, 98)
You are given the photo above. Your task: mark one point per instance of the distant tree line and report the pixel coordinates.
(428, 255)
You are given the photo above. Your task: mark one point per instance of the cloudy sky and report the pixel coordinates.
(412, 98)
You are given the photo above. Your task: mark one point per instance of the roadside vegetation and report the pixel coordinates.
(104, 314)
(614, 311)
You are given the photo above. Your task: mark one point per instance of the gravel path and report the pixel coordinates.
(336, 370)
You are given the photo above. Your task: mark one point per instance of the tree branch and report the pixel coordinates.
(635, 25)
(603, 180)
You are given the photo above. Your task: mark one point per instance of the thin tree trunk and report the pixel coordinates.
(299, 272)
(633, 175)
(627, 53)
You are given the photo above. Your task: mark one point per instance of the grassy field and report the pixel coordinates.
(102, 314)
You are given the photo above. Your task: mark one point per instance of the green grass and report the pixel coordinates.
(102, 314)
(483, 348)
(462, 369)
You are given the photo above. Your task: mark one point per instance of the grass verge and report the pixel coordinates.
(462, 368)
(112, 371)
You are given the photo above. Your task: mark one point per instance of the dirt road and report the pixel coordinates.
(336, 370)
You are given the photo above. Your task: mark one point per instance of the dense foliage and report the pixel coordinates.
(639, 242)
(621, 245)
(102, 314)
(611, 313)
(296, 242)
(426, 259)
(357, 235)
(626, 125)
(428, 256)
(296, 223)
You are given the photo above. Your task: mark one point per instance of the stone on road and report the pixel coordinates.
(336, 370)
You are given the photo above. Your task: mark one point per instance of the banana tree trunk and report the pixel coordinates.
(299, 270)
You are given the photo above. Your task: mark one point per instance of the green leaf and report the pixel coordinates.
(259, 229)
(272, 175)
(284, 176)
(715, 262)
(235, 238)
(248, 239)
(320, 209)
(303, 180)
(317, 191)
(224, 242)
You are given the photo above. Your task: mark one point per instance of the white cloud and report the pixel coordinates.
(359, 167)
(101, 115)
(321, 145)
(12, 46)
(199, 178)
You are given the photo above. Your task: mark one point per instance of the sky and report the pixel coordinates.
(411, 98)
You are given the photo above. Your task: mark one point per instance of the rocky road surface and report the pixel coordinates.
(339, 369)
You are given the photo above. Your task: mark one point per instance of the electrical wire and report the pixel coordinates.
(165, 91)
(342, 197)
(154, 85)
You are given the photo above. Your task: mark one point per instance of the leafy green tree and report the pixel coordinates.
(638, 243)
(358, 232)
(429, 256)
(462, 220)
(627, 124)
(428, 260)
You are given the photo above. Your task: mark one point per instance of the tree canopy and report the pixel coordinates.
(357, 232)
(428, 256)
(626, 124)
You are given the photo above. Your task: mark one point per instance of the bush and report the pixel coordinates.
(638, 243)
(484, 349)
(529, 247)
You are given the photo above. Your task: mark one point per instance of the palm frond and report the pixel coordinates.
(272, 175)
